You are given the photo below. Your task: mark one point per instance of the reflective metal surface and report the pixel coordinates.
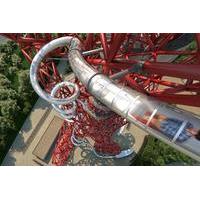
(60, 42)
(67, 114)
(143, 111)
(135, 106)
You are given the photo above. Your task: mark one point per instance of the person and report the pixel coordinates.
(170, 126)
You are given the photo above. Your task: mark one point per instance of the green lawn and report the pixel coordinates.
(158, 153)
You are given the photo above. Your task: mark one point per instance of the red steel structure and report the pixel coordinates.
(137, 60)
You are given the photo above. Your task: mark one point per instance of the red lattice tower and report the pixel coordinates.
(120, 52)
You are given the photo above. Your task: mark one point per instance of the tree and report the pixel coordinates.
(25, 87)
(8, 48)
(6, 125)
(10, 62)
(16, 94)
(25, 91)
(2, 142)
(8, 93)
(12, 71)
(9, 109)
(16, 60)
(27, 107)
(4, 82)
(3, 63)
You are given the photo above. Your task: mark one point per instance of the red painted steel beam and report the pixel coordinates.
(166, 38)
(190, 100)
(88, 44)
(169, 95)
(198, 40)
(114, 47)
(187, 71)
(104, 44)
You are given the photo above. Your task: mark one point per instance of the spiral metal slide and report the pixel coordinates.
(137, 108)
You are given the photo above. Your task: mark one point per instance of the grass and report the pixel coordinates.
(157, 153)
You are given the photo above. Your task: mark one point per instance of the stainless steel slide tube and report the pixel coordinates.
(167, 123)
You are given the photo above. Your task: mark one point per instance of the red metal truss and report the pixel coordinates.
(181, 73)
(175, 81)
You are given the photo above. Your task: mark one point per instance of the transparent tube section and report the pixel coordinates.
(172, 125)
